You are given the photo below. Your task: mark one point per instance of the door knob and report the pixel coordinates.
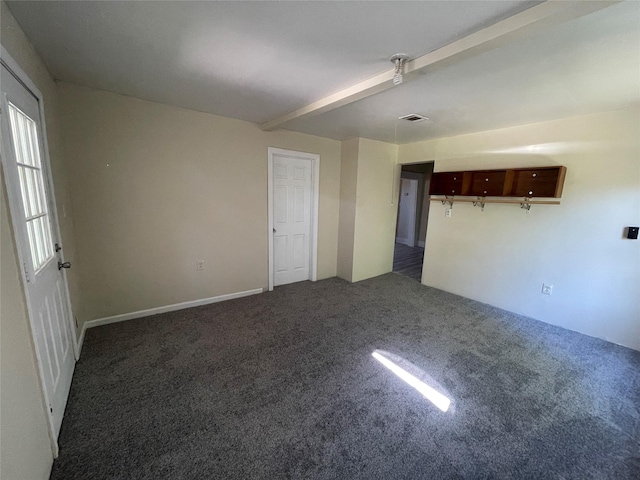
(64, 265)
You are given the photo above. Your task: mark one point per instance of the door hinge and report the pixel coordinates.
(26, 273)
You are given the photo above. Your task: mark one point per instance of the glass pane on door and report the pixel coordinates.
(24, 133)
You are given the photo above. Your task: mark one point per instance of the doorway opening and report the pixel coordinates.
(413, 215)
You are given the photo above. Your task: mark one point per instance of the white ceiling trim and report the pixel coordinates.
(499, 34)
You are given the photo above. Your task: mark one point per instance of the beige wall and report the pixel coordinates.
(25, 449)
(368, 208)
(502, 256)
(155, 188)
(348, 185)
(376, 209)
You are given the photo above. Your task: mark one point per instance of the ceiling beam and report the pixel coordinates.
(540, 16)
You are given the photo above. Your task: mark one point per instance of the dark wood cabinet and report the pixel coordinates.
(518, 182)
(487, 183)
(537, 182)
(448, 183)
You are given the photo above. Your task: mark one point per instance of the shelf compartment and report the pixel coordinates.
(537, 182)
(449, 183)
(487, 183)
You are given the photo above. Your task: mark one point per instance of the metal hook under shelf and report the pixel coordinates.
(526, 204)
(480, 202)
(448, 200)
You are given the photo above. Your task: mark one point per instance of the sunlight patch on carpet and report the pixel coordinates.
(393, 362)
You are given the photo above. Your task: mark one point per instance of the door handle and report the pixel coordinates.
(64, 265)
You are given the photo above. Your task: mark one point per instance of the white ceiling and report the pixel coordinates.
(257, 61)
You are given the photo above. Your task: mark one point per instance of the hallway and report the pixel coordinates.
(407, 261)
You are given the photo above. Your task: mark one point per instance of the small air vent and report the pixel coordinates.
(413, 117)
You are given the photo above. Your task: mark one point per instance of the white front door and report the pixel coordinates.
(292, 210)
(36, 232)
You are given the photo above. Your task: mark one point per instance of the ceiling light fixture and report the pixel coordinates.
(399, 59)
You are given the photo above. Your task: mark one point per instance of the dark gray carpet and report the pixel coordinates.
(283, 385)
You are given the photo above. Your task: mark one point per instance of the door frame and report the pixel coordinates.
(415, 187)
(315, 197)
(14, 206)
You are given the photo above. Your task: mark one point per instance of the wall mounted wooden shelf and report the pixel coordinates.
(545, 182)
(528, 183)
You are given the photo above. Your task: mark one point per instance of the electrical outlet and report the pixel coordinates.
(547, 289)
(447, 213)
(199, 264)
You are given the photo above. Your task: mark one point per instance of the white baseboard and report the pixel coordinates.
(420, 243)
(167, 308)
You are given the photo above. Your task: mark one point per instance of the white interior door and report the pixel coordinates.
(36, 231)
(292, 209)
(406, 231)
